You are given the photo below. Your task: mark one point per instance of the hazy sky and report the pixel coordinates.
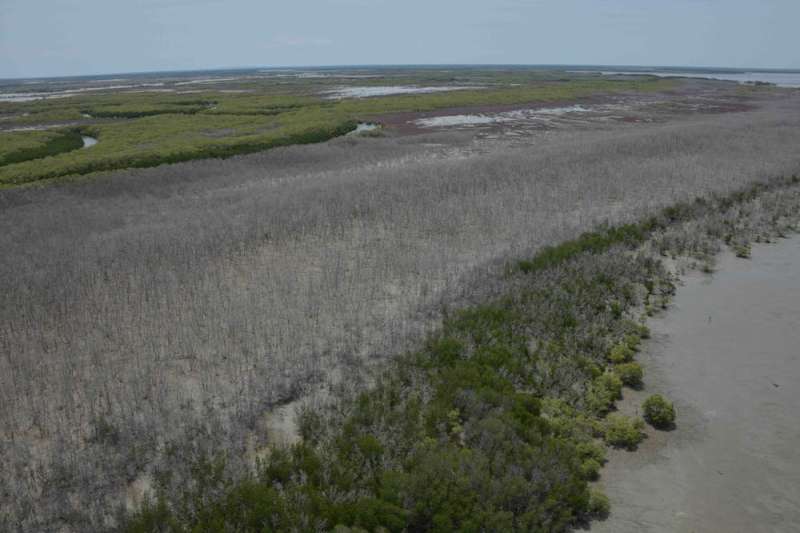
(66, 37)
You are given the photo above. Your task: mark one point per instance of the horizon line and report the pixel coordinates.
(407, 65)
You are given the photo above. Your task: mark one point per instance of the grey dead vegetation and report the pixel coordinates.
(182, 303)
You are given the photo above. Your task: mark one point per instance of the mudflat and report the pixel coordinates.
(728, 354)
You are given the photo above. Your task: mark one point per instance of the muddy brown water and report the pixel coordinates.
(728, 354)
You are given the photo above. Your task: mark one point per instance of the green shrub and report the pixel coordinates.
(604, 391)
(742, 250)
(623, 431)
(599, 506)
(591, 450)
(590, 469)
(571, 423)
(612, 383)
(633, 340)
(621, 353)
(658, 411)
(638, 329)
(631, 374)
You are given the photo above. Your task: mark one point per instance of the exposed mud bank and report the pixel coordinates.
(695, 96)
(728, 353)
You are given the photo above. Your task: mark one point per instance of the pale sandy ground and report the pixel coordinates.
(728, 353)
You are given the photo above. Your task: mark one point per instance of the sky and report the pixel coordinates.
(81, 37)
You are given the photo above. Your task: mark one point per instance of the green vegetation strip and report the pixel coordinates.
(593, 243)
(37, 144)
(162, 139)
(142, 130)
(498, 424)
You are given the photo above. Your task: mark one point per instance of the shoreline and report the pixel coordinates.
(726, 353)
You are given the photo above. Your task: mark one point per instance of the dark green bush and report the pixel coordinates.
(591, 450)
(659, 412)
(621, 353)
(623, 431)
(611, 383)
(599, 505)
(590, 469)
(633, 340)
(631, 374)
(604, 391)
